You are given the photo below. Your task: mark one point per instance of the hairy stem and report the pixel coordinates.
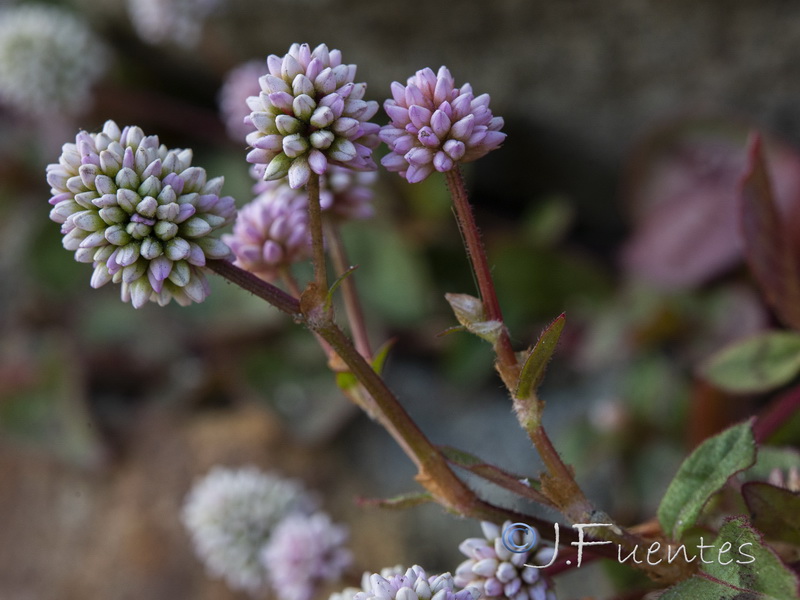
(776, 414)
(559, 483)
(258, 287)
(507, 360)
(433, 471)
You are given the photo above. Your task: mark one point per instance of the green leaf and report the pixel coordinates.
(752, 572)
(535, 364)
(336, 284)
(757, 364)
(775, 511)
(380, 356)
(702, 474)
(697, 588)
(769, 459)
(402, 501)
(345, 380)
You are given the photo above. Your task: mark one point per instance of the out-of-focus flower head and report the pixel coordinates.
(240, 83)
(435, 125)
(271, 232)
(49, 60)
(231, 513)
(348, 194)
(345, 193)
(415, 584)
(179, 22)
(500, 573)
(304, 552)
(309, 114)
(140, 213)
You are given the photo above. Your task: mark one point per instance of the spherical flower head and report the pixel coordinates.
(415, 584)
(304, 552)
(179, 22)
(230, 515)
(310, 114)
(240, 83)
(271, 232)
(140, 213)
(500, 573)
(49, 60)
(348, 194)
(435, 125)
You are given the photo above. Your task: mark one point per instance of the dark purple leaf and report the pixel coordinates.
(775, 511)
(771, 257)
(682, 190)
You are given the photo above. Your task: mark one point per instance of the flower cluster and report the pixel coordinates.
(344, 193)
(303, 552)
(435, 125)
(415, 584)
(49, 60)
(310, 113)
(177, 21)
(240, 83)
(271, 232)
(347, 195)
(257, 530)
(349, 593)
(500, 573)
(140, 213)
(231, 514)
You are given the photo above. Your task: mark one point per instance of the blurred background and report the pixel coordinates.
(613, 199)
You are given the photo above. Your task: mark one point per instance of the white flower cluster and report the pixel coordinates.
(257, 530)
(500, 573)
(303, 552)
(49, 60)
(179, 22)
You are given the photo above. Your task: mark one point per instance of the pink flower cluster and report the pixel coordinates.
(435, 125)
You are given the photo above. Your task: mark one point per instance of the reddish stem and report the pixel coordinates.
(483, 273)
(352, 302)
(776, 414)
(315, 226)
(258, 287)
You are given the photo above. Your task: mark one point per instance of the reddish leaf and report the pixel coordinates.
(775, 511)
(682, 194)
(681, 189)
(766, 246)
